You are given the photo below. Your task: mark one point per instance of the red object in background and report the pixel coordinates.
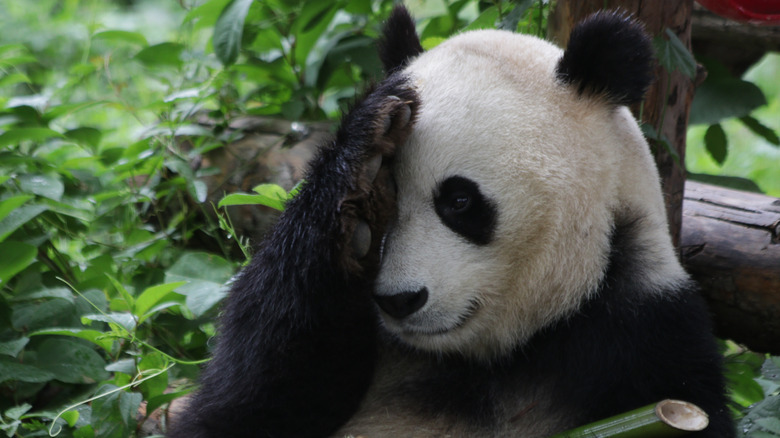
(763, 12)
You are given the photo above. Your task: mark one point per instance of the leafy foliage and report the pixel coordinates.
(111, 266)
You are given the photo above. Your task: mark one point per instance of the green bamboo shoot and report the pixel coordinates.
(668, 418)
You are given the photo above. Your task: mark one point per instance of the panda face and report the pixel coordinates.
(505, 192)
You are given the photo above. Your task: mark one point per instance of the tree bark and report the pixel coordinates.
(731, 247)
(668, 100)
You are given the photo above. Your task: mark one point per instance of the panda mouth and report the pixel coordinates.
(463, 318)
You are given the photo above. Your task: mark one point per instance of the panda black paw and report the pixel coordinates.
(383, 120)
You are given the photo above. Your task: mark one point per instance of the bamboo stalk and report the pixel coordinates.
(667, 418)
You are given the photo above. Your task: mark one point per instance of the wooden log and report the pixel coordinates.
(731, 246)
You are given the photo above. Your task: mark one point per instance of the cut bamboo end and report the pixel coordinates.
(682, 415)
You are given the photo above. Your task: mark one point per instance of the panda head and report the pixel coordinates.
(521, 159)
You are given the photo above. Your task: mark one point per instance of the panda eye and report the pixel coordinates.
(460, 202)
(463, 208)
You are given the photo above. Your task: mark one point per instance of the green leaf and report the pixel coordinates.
(431, 42)
(722, 96)
(770, 424)
(13, 79)
(206, 275)
(152, 296)
(46, 185)
(127, 296)
(14, 258)
(716, 143)
(114, 415)
(125, 320)
(98, 338)
(86, 136)
(515, 15)
(70, 417)
(12, 348)
(157, 401)
(486, 20)
(12, 370)
(673, 55)
(206, 14)
(19, 217)
(229, 29)
(761, 130)
(16, 412)
(19, 135)
(11, 204)
(121, 36)
(33, 315)
(161, 55)
(46, 292)
(242, 199)
(71, 361)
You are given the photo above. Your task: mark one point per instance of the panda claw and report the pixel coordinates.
(361, 239)
(372, 167)
(388, 120)
(404, 116)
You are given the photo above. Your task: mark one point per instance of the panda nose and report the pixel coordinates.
(402, 304)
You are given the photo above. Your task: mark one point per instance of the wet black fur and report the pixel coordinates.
(608, 55)
(625, 348)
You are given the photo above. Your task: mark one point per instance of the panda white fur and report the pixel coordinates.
(482, 251)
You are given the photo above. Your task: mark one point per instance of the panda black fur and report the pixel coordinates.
(500, 207)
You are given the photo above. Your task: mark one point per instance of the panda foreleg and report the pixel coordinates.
(297, 341)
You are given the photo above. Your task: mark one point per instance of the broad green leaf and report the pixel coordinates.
(98, 338)
(206, 275)
(229, 29)
(122, 36)
(206, 14)
(126, 366)
(19, 135)
(13, 79)
(114, 415)
(34, 315)
(16, 412)
(673, 55)
(13, 370)
(125, 320)
(152, 296)
(46, 185)
(716, 143)
(19, 217)
(86, 136)
(722, 96)
(71, 361)
(11, 204)
(45, 292)
(14, 258)
(161, 55)
(12, 348)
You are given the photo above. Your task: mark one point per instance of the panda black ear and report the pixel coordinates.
(399, 42)
(608, 55)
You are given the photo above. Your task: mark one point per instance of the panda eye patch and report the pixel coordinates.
(465, 210)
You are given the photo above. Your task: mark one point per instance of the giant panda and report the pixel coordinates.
(482, 250)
